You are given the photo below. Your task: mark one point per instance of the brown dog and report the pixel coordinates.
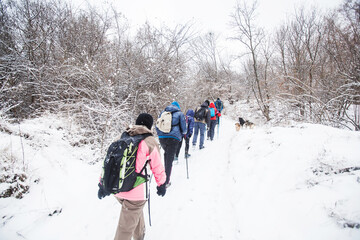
(237, 126)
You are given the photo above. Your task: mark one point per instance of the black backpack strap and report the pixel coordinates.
(144, 167)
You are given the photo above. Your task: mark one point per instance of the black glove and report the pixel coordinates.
(101, 192)
(161, 190)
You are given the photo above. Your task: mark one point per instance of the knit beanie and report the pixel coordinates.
(208, 102)
(176, 104)
(145, 119)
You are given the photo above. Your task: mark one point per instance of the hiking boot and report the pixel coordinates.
(176, 160)
(201, 147)
(187, 155)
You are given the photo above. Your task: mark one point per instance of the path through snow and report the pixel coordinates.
(268, 183)
(201, 207)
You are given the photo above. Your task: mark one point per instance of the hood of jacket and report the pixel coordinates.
(172, 108)
(134, 130)
(205, 105)
(190, 113)
(212, 105)
(176, 104)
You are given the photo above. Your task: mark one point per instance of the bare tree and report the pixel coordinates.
(343, 47)
(206, 56)
(317, 61)
(301, 59)
(251, 36)
(155, 66)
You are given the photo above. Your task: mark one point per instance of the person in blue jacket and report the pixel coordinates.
(169, 141)
(219, 105)
(190, 128)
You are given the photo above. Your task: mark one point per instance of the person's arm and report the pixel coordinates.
(191, 127)
(217, 113)
(148, 149)
(183, 128)
(208, 117)
(157, 168)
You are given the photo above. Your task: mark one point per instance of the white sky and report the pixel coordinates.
(208, 15)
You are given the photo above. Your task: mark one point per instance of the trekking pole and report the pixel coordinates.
(218, 127)
(149, 199)
(148, 188)
(148, 191)
(187, 169)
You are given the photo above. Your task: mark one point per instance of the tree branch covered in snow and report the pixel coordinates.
(86, 64)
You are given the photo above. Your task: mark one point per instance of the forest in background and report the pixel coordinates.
(89, 65)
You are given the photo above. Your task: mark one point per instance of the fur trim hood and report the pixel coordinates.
(134, 130)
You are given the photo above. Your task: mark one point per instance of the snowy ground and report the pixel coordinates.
(273, 183)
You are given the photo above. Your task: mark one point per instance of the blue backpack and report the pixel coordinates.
(212, 112)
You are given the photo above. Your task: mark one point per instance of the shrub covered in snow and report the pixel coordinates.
(13, 179)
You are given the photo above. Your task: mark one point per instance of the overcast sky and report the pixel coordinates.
(211, 15)
(208, 15)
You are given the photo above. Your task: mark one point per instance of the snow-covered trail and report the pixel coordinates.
(274, 183)
(260, 184)
(202, 206)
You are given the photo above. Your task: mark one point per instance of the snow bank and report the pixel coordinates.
(296, 182)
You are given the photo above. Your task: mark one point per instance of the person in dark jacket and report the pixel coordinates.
(201, 124)
(219, 105)
(169, 141)
(190, 126)
(190, 129)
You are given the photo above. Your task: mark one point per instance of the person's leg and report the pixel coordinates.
(130, 220)
(169, 145)
(196, 132)
(187, 143)
(178, 148)
(212, 129)
(173, 145)
(208, 134)
(139, 232)
(202, 134)
(164, 145)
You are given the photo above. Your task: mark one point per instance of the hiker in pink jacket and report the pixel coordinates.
(131, 222)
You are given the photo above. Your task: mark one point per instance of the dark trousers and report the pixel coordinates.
(170, 146)
(211, 131)
(178, 148)
(187, 143)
